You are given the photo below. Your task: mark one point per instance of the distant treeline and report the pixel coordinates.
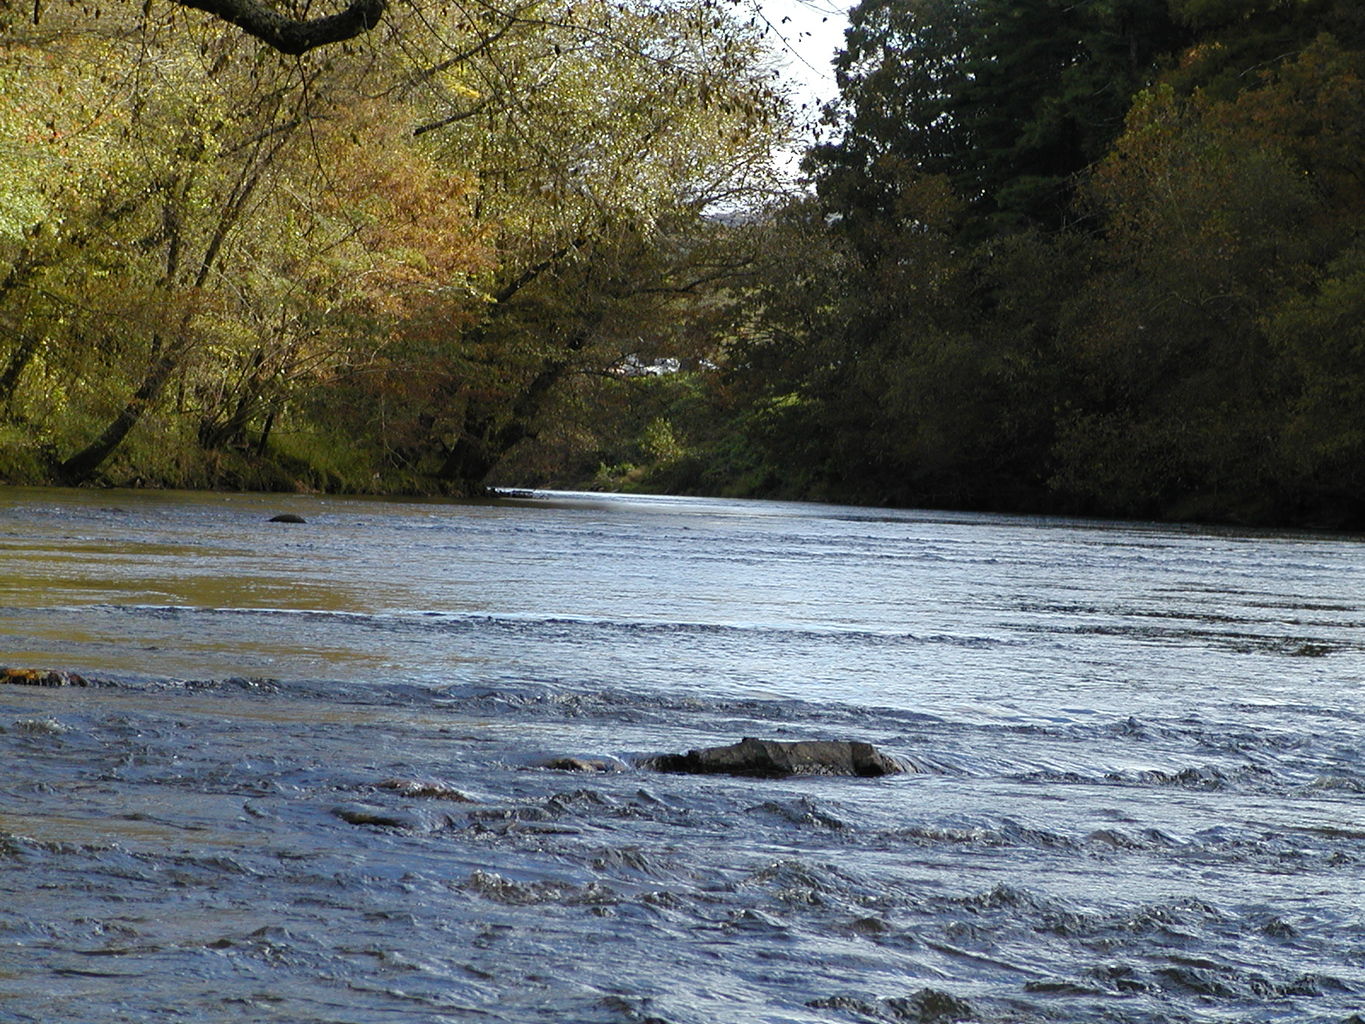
(1101, 257)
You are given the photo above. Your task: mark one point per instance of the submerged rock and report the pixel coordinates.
(927, 1006)
(776, 758)
(382, 817)
(430, 789)
(577, 764)
(287, 517)
(930, 1006)
(40, 677)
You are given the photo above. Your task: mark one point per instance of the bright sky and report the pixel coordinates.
(812, 30)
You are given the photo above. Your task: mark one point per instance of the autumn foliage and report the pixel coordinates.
(1102, 258)
(1146, 301)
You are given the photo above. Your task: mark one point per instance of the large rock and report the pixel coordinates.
(775, 759)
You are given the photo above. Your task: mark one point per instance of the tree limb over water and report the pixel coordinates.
(292, 35)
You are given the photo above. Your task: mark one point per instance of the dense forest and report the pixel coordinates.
(1100, 257)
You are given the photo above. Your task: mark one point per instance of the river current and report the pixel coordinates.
(307, 782)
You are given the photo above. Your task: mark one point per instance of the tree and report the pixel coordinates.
(382, 241)
(602, 141)
(898, 74)
(274, 224)
(71, 193)
(1047, 84)
(1322, 446)
(214, 141)
(414, 225)
(294, 35)
(1010, 99)
(1238, 40)
(1203, 234)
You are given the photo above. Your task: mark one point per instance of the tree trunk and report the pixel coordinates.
(18, 361)
(482, 445)
(216, 433)
(470, 459)
(79, 467)
(265, 433)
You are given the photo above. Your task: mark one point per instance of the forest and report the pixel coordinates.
(1096, 257)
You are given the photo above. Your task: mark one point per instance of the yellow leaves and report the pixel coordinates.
(617, 113)
(22, 206)
(284, 223)
(381, 231)
(457, 84)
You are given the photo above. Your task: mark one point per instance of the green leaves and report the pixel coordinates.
(1095, 256)
(1010, 99)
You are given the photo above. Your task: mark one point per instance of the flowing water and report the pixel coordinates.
(307, 782)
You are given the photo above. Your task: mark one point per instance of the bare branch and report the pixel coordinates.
(461, 115)
(290, 35)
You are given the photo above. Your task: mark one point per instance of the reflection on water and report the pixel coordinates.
(311, 787)
(209, 556)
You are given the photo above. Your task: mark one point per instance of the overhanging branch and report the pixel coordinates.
(290, 35)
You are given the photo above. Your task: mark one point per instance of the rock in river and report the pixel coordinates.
(40, 677)
(384, 817)
(287, 517)
(577, 764)
(775, 759)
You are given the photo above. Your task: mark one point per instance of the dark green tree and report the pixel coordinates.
(1046, 87)
(1239, 40)
(1010, 99)
(898, 74)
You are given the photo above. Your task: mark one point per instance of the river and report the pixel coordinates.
(307, 784)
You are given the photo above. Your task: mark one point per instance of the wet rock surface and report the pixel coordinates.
(40, 677)
(777, 759)
(578, 764)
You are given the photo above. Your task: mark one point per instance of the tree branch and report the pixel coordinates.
(289, 35)
(461, 115)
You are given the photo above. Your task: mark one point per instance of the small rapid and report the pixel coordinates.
(312, 778)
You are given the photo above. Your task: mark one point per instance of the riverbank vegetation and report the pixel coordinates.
(1100, 258)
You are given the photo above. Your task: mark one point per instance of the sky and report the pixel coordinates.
(812, 30)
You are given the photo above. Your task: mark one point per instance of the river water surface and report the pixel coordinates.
(308, 785)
